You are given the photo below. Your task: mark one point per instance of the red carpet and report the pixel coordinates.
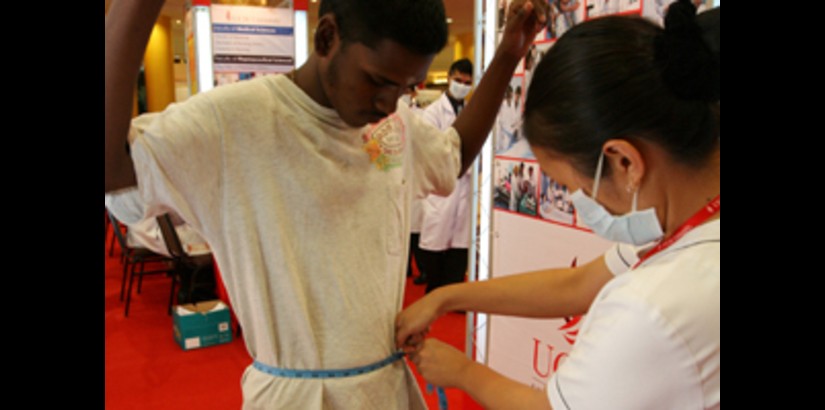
(146, 369)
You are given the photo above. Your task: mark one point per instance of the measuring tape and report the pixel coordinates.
(341, 373)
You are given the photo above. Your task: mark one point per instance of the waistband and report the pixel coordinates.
(327, 374)
(340, 373)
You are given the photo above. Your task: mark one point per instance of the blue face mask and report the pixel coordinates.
(636, 227)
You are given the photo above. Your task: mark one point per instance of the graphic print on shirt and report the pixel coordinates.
(385, 143)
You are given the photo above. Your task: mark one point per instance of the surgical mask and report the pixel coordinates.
(636, 227)
(458, 90)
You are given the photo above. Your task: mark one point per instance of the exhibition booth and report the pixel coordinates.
(522, 220)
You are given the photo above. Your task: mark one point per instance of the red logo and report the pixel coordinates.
(545, 364)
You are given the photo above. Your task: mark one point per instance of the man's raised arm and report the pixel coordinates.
(128, 26)
(525, 19)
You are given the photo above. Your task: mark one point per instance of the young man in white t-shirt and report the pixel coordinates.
(302, 183)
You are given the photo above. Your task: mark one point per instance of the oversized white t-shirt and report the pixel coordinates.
(651, 339)
(308, 220)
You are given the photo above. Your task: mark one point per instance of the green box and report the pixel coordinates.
(202, 324)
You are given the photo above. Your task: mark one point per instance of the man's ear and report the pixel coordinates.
(326, 35)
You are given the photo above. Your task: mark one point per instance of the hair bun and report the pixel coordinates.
(689, 68)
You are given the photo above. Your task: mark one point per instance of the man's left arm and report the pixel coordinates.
(525, 19)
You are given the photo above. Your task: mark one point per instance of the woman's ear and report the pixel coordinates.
(626, 163)
(326, 35)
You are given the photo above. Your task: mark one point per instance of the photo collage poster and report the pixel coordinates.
(520, 185)
(251, 41)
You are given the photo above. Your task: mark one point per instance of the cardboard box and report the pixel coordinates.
(202, 324)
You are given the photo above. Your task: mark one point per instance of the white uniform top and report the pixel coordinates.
(651, 339)
(308, 220)
(446, 220)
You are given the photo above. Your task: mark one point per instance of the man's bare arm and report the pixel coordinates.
(128, 26)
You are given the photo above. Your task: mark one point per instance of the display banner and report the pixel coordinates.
(530, 350)
(250, 41)
(534, 222)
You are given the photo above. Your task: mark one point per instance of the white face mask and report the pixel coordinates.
(458, 90)
(636, 227)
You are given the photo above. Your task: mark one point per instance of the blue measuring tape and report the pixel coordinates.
(341, 373)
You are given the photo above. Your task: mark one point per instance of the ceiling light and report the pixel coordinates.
(449, 20)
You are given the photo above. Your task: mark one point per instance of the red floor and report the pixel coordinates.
(146, 369)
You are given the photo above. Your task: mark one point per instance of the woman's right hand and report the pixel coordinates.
(413, 323)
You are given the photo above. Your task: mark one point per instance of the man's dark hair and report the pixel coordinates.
(462, 66)
(418, 25)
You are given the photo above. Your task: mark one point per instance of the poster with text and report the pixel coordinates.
(250, 41)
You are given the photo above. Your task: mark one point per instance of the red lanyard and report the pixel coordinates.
(697, 219)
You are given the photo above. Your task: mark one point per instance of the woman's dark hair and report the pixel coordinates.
(419, 25)
(625, 77)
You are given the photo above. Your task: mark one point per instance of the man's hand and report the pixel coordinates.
(525, 19)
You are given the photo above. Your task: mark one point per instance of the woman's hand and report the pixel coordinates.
(413, 323)
(439, 363)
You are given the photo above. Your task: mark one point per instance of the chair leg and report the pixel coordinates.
(171, 294)
(112, 245)
(140, 275)
(129, 292)
(123, 281)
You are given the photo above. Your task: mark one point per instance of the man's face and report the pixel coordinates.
(461, 78)
(364, 84)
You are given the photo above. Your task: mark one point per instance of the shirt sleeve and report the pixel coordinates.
(436, 157)
(125, 205)
(177, 160)
(429, 114)
(620, 258)
(628, 359)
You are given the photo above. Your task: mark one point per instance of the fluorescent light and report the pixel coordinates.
(301, 40)
(203, 47)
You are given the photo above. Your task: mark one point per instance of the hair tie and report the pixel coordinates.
(689, 68)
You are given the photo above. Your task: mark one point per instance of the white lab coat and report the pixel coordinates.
(446, 220)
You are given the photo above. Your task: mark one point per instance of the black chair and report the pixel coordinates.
(187, 268)
(107, 223)
(134, 263)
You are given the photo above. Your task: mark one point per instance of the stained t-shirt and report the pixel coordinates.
(309, 222)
